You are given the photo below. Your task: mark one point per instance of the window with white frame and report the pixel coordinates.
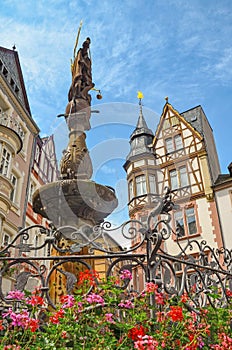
(173, 143)
(179, 178)
(185, 222)
(169, 145)
(191, 221)
(173, 179)
(131, 190)
(178, 142)
(179, 223)
(14, 181)
(141, 187)
(37, 153)
(152, 183)
(5, 161)
(183, 180)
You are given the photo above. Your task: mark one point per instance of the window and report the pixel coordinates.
(177, 266)
(191, 221)
(141, 187)
(37, 153)
(169, 145)
(5, 162)
(13, 192)
(131, 192)
(6, 240)
(173, 143)
(183, 176)
(31, 191)
(179, 178)
(178, 142)
(179, 223)
(152, 184)
(5, 72)
(185, 222)
(173, 179)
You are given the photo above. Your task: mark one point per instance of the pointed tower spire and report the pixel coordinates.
(142, 136)
(140, 167)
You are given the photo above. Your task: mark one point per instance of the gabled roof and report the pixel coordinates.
(168, 107)
(9, 60)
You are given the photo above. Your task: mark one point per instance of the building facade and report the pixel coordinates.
(223, 196)
(26, 160)
(182, 156)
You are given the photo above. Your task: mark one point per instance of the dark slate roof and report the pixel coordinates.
(141, 138)
(222, 179)
(9, 60)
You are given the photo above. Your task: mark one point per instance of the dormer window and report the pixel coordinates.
(5, 72)
(16, 89)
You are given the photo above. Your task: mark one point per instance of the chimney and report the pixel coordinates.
(230, 169)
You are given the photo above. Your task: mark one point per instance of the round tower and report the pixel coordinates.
(140, 168)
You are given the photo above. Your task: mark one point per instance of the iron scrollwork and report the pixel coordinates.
(67, 250)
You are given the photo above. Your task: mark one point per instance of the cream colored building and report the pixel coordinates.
(181, 155)
(223, 196)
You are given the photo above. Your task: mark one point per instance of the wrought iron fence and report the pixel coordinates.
(196, 268)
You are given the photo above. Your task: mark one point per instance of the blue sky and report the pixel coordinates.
(176, 48)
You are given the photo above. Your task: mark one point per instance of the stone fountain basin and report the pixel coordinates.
(74, 202)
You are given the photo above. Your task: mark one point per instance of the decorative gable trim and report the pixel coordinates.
(166, 110)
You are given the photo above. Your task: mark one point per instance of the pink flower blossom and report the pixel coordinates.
(15, 294)
(151, 287)
(159, 298)
(80, 306)
(109, 318)
(18, 319)
(146, 343)
(127, 304)
(126, 274)
(67, 301)
(95, 298)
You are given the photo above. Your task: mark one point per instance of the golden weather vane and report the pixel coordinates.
(140, 97)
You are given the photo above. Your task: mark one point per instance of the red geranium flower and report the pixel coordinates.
(176, 313)
(89, 276)
(136, 331)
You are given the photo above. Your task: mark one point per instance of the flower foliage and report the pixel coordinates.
(110, 318)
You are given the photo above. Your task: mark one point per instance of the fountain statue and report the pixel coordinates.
(75, 199)
(75, 203)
